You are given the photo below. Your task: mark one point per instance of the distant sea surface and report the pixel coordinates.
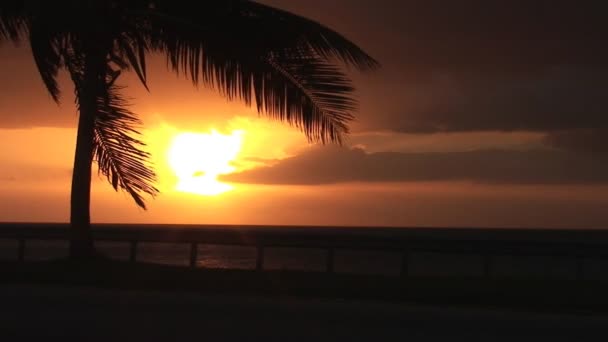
(220, 257)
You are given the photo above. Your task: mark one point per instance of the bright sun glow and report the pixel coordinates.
(197, 160)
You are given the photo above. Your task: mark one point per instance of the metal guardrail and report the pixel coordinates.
(487, 243)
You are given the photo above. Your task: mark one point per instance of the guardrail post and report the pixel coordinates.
(330, 260)
(21, 250)
(193, 254)
(133, 251)
(405, 263)
(259, 261)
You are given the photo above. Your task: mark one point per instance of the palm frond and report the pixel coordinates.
(132, 51)
(13, 21)
(250, 51)
(117, 152)
(284, 28)
(116, 147)
(46, 49)
(307, 92)
(253, 26)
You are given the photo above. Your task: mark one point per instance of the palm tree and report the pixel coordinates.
(285, 64)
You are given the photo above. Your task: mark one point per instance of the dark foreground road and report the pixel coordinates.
(37, 313)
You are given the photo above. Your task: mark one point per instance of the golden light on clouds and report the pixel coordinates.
(189, 159)
(197, 159)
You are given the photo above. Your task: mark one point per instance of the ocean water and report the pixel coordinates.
(220, 257)
(311, 259)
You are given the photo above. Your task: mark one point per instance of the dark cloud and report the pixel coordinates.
(473, 33)
(334, 165)
(476, 65)
(448, 66)
(583, 140)
(259, 160)
(559, 99)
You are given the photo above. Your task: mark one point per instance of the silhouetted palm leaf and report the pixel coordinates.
(117, 152)
(131, 52)
(280, 60)
(314, 94)
(116, 149)
(13, 24)
(46, 51)
(245, 50)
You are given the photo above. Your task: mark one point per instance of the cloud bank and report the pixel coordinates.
(331, 165)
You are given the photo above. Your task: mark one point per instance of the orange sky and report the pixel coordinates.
(36, 168)
(406, 174)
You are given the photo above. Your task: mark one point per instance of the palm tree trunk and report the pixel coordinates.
(81, 240)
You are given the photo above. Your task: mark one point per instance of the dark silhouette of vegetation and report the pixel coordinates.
(285, 64)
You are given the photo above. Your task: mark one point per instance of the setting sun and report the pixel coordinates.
(197, 159)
